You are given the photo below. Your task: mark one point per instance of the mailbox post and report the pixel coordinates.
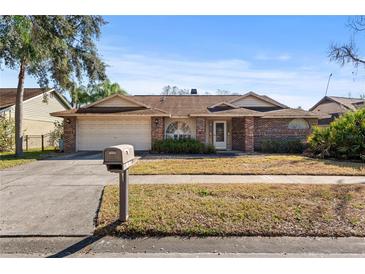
(123, 195)
(119, 159)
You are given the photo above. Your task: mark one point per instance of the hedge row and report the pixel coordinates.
(188, 146)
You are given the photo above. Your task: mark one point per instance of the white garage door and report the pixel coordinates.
(99, 133)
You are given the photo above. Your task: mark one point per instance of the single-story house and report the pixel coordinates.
(232, 122)
(37, 106)
(331, 107)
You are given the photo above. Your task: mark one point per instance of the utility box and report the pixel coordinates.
(119, 158)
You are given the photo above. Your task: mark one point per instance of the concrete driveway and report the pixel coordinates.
(58, 196)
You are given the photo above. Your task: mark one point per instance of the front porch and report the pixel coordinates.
(224, 133)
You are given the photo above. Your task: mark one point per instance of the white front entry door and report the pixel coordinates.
(220, 134)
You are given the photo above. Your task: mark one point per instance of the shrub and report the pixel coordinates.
(7, 134)
(56, 134)
(282, 146)
(189, 146)
(344, 138)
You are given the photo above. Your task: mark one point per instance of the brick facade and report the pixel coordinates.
(277, 129)
(69, 134)
(201, 129)
(238, 133)
(243, 133)
(249, 134)
(157, 129)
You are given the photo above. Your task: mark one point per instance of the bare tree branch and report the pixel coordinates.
(357, 24)
(349, 53)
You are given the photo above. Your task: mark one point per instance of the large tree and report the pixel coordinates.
(349, 52)
(53, 49)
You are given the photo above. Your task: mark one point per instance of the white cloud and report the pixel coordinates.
(268, 57)
(295, 86)
(301, 86)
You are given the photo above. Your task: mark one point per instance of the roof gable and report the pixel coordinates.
(348, 103)
(222, 104)
(8, 96)
(252, 99)
(117, 100)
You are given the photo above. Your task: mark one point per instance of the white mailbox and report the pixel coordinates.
(119, 159)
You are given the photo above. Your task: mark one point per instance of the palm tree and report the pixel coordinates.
(105, 89)
(79, 95)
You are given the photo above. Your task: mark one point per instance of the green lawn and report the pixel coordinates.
(8, 159)
(259, 164)
(236, 210)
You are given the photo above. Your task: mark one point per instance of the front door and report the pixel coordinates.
(220, 134)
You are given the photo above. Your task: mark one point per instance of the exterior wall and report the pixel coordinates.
(277, 129)
(329, 107)
(157, 129)
(36, 114)
(69, 134)
(238, 133)
(34, 127)
(252, 101)
(249, 134)
(201, 130)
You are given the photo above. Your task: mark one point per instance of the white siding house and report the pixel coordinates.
(37, 106)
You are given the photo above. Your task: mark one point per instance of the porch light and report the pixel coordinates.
(156, 121)
(68, 121)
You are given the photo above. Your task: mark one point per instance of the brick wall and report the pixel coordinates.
(238, 133)
(277, 129)
(201, 129)
(157, 128)
(249, 134)
(69, 134)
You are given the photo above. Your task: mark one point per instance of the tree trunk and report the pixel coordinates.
(19, 111)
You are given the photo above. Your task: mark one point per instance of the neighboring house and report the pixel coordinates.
(37, 106)
(331, 107)
(237, 122)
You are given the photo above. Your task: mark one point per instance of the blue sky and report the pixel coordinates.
(284, 57)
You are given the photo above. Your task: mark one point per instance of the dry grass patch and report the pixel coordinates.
(236, 210)
(250, 165)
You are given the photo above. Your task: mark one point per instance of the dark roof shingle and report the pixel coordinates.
(289, 113)
(8, 95)
(190, 105)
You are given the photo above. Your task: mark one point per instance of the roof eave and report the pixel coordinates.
(62, 115)
(291, 117)
(225, 115)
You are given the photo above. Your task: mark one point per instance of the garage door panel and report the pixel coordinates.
(97, 134)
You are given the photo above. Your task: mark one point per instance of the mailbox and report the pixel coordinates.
(119, 158)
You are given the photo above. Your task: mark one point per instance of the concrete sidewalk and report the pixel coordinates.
(183, 247)
(226, 179)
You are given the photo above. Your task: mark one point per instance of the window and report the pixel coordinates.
(178, 130)
(298, 124)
